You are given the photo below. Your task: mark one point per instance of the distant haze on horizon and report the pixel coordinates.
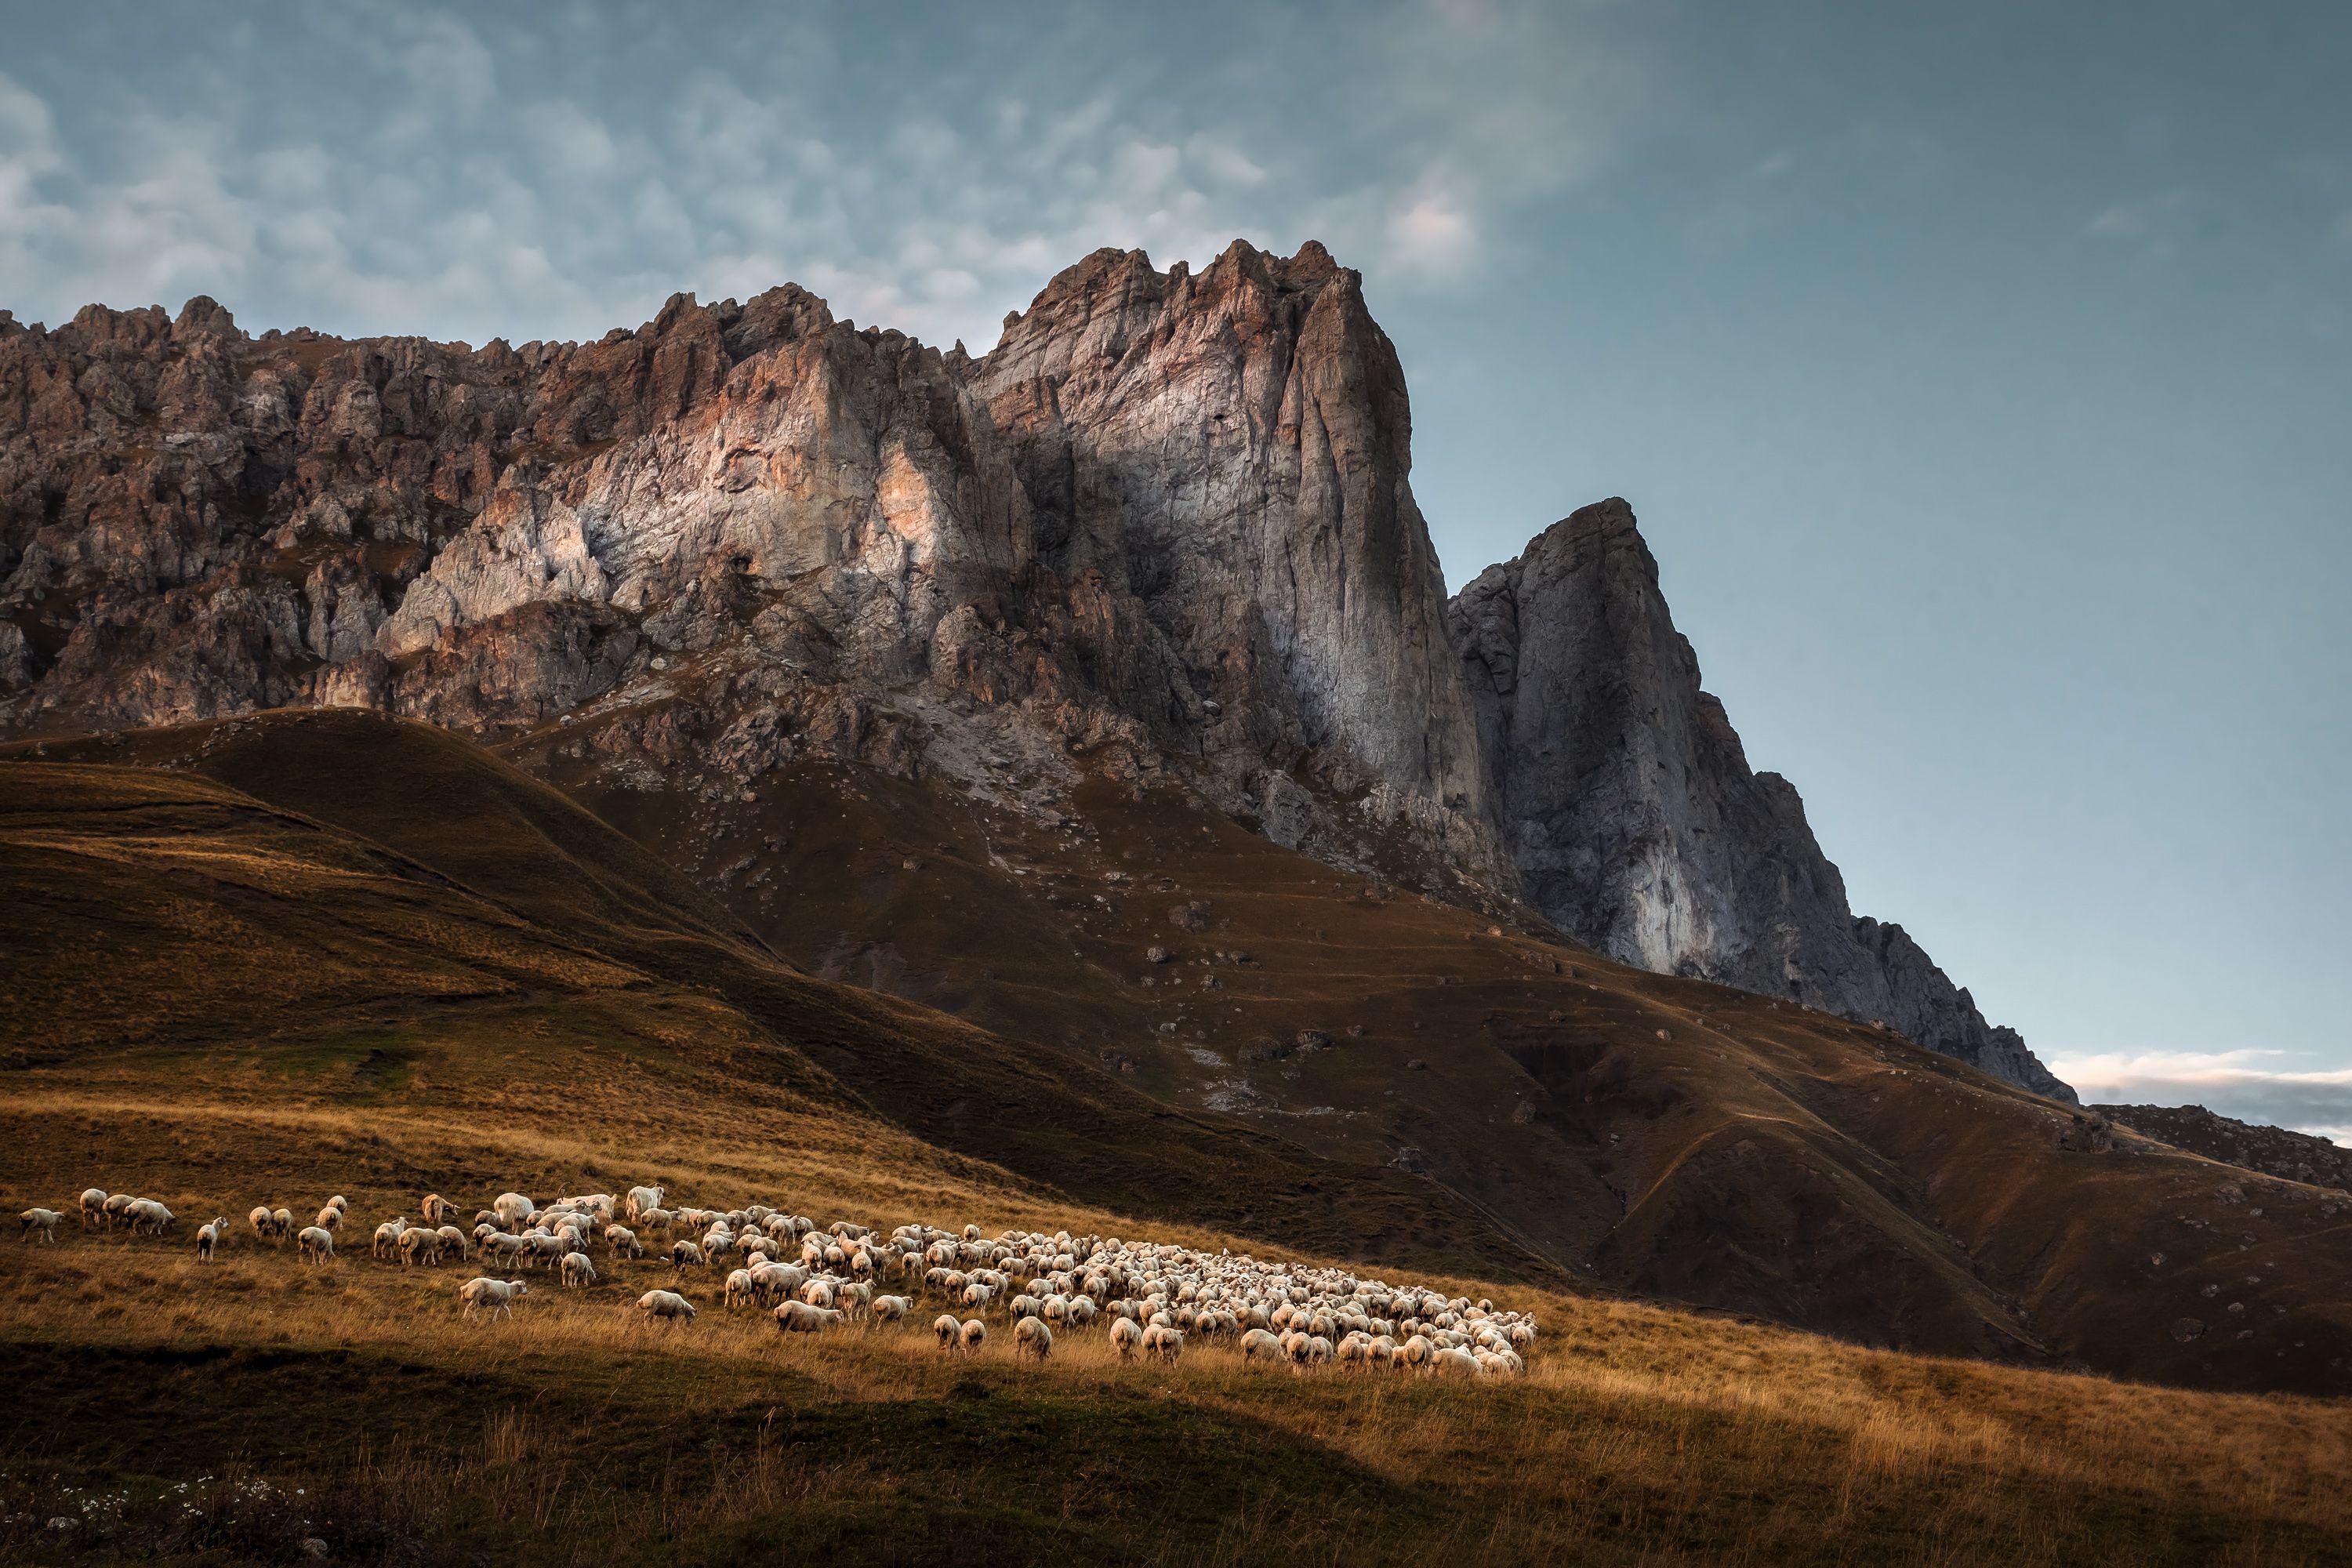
(1982, 377)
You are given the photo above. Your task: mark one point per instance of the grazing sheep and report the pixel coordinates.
(327, 1218)
(683, 1254)
(116, 1210)
(453, 1240)
(437, 1210)
(578, 1270)
(1162, 1342)
(1453, 1363)
(514, 1210)
(387, 1238)
(800, 1318)
(210, 1236)
(318, 1243)
(93, 1208)
(281, 1223)
(667, 1306)
(640, 1202)
(498, 1295)
(1126, 1337)
(148, 1217)
(1256, 1345)
(623, 1241)
(973, 1335)
(890, 1308)
(1032, 1337)
(264, 1223)
(742, 1290)
(418, 1245)
(45, 1221)
(1415, 1351)
(946, 1326)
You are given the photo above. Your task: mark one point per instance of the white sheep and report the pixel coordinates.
(1449, 1363)
(800, 1318)
(972, 1335)
(498, 1295)
(318, 1243)
(640, 1202)
(264, 1223)
(386, 1243)
(437, 1210)
(514, 1210)
(666, 1306)
(1032, 1337)
(1162, 1342)
(45, 1221)
(741, 1289)
(93, 1208)
(210, 1236)
(453, 1240)
(685, 1254)
(417, 1245)
(949, 1329)
(116, 1210)
(623, 1241)
(1126, 1337)
(578, 1270)
(148, 1217)
(1256, 1345)
(890, 1308)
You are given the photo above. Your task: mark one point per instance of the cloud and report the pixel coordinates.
(1433, 236)
(2234, 1083)
(441, 172)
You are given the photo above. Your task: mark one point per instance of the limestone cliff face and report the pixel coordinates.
(1165, 527)
(1231, 450)
(1626, 803)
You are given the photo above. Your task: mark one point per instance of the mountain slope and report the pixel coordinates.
(387, 892)
(1636, 825)
(1166, 527)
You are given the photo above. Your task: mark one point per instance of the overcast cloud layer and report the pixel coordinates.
(1982, 374)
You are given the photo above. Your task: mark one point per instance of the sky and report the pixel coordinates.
(1982, 374)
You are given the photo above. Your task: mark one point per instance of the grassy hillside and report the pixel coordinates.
(331, 954)
(344, 787)
(1652, 1135)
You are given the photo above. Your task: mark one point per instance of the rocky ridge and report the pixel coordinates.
(1165, 527)
(2272, 1151)
(1627, 806)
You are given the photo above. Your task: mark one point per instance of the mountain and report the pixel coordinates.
(1164, 528)
(1630, 813)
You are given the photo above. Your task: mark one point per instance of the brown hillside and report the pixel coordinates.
(1655, 1135)
(402, 893)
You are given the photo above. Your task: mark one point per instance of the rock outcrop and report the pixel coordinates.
(1165, 527)
(2272, 1151)
(1628, 808)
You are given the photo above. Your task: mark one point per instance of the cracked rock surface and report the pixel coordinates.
(1166, 526)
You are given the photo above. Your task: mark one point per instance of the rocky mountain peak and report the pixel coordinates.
(1165, 527)
(1625, 801)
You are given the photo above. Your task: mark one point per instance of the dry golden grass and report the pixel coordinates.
(1638, 1431)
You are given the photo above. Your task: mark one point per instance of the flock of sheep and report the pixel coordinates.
(1154, 1297)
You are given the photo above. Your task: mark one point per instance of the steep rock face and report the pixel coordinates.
(1232, 449)
(1166, 525)
(1628, 807)
(1167, 522)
